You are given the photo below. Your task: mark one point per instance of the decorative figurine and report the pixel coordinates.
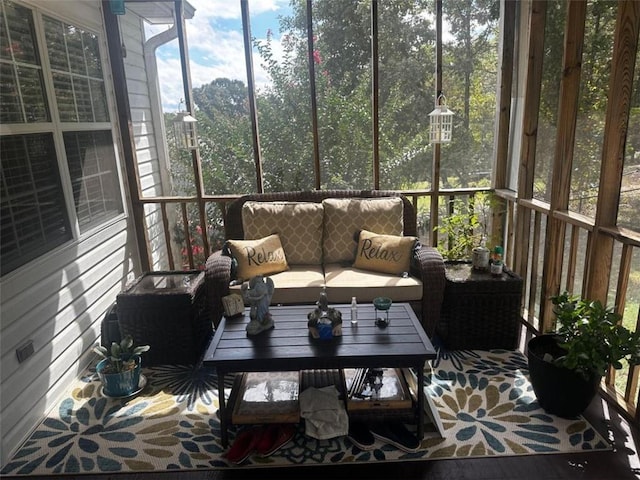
(257, 293)
(324, 322)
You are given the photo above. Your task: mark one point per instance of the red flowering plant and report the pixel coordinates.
(195, 241)
(215, 236)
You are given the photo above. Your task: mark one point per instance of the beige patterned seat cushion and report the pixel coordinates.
(343, 217)
(346, 282)
(299, 225)
(299, 285)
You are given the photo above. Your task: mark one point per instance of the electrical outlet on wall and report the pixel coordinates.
(25, 351)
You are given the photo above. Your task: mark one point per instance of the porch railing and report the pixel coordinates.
(619, 386)
(526, 257)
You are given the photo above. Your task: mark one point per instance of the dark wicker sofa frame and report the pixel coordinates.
(428, 265)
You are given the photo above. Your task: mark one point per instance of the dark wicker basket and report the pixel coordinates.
(167, 312)
(480, 311)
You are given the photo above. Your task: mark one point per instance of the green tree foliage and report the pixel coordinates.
(593, 99)
(343, 92)
(226, 153)
(224, 134)
(407, 86)
(548, 110)
(342, 62)
(284, 116)
(469, 81)
(594, 94)
(466, 226)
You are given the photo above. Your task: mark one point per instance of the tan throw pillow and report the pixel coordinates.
(299, 225)
(258, 257)
(384, 253)
(344, 217)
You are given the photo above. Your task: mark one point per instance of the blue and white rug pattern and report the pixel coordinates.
(484, 399)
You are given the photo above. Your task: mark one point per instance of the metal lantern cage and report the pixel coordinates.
(185, 129)
(440, 122)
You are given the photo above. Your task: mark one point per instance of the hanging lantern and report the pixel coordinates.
(184, 126)
(440, 122)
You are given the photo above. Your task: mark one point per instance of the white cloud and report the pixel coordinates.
(170, 81)
(214, 50)
(230, 9)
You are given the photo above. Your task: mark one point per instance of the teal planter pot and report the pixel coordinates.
(120, 384)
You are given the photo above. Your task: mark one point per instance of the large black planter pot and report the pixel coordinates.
(560, 391)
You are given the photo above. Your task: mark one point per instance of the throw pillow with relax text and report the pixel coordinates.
(264, 256)
(343, 217)
(384, 253)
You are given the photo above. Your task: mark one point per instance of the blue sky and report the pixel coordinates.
(216, 45)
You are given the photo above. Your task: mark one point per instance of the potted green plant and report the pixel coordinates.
(119, 370)
(466, 230)
(566, 366)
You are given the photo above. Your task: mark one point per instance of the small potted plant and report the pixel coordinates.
(119, 370)
(466, 232)
(566, 367)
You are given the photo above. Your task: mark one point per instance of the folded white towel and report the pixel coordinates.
(324, 413)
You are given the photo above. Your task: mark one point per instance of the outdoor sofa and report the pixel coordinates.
(352, 243)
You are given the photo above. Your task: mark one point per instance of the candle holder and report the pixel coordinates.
(382, 306)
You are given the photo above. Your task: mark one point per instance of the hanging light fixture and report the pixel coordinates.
(440, 122)
(184, 127)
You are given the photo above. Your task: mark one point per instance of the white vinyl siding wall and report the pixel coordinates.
(148, 136)
(58, 300)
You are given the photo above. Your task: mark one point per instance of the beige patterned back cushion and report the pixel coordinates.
(343, 217)
(299, 225)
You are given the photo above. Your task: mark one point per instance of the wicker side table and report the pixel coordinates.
(480, 311)
(167, 311)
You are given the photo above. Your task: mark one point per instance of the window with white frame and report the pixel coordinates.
(56, 143)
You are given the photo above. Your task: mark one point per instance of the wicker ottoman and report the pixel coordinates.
(167, 311)
(480, 311)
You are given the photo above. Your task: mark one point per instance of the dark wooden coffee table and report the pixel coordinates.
(289, 346)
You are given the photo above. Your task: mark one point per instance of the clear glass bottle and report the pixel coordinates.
(354, 311)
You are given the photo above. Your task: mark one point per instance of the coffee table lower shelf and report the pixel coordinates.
(248, 402)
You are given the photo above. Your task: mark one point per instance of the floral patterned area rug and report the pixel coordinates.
(484, 399)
